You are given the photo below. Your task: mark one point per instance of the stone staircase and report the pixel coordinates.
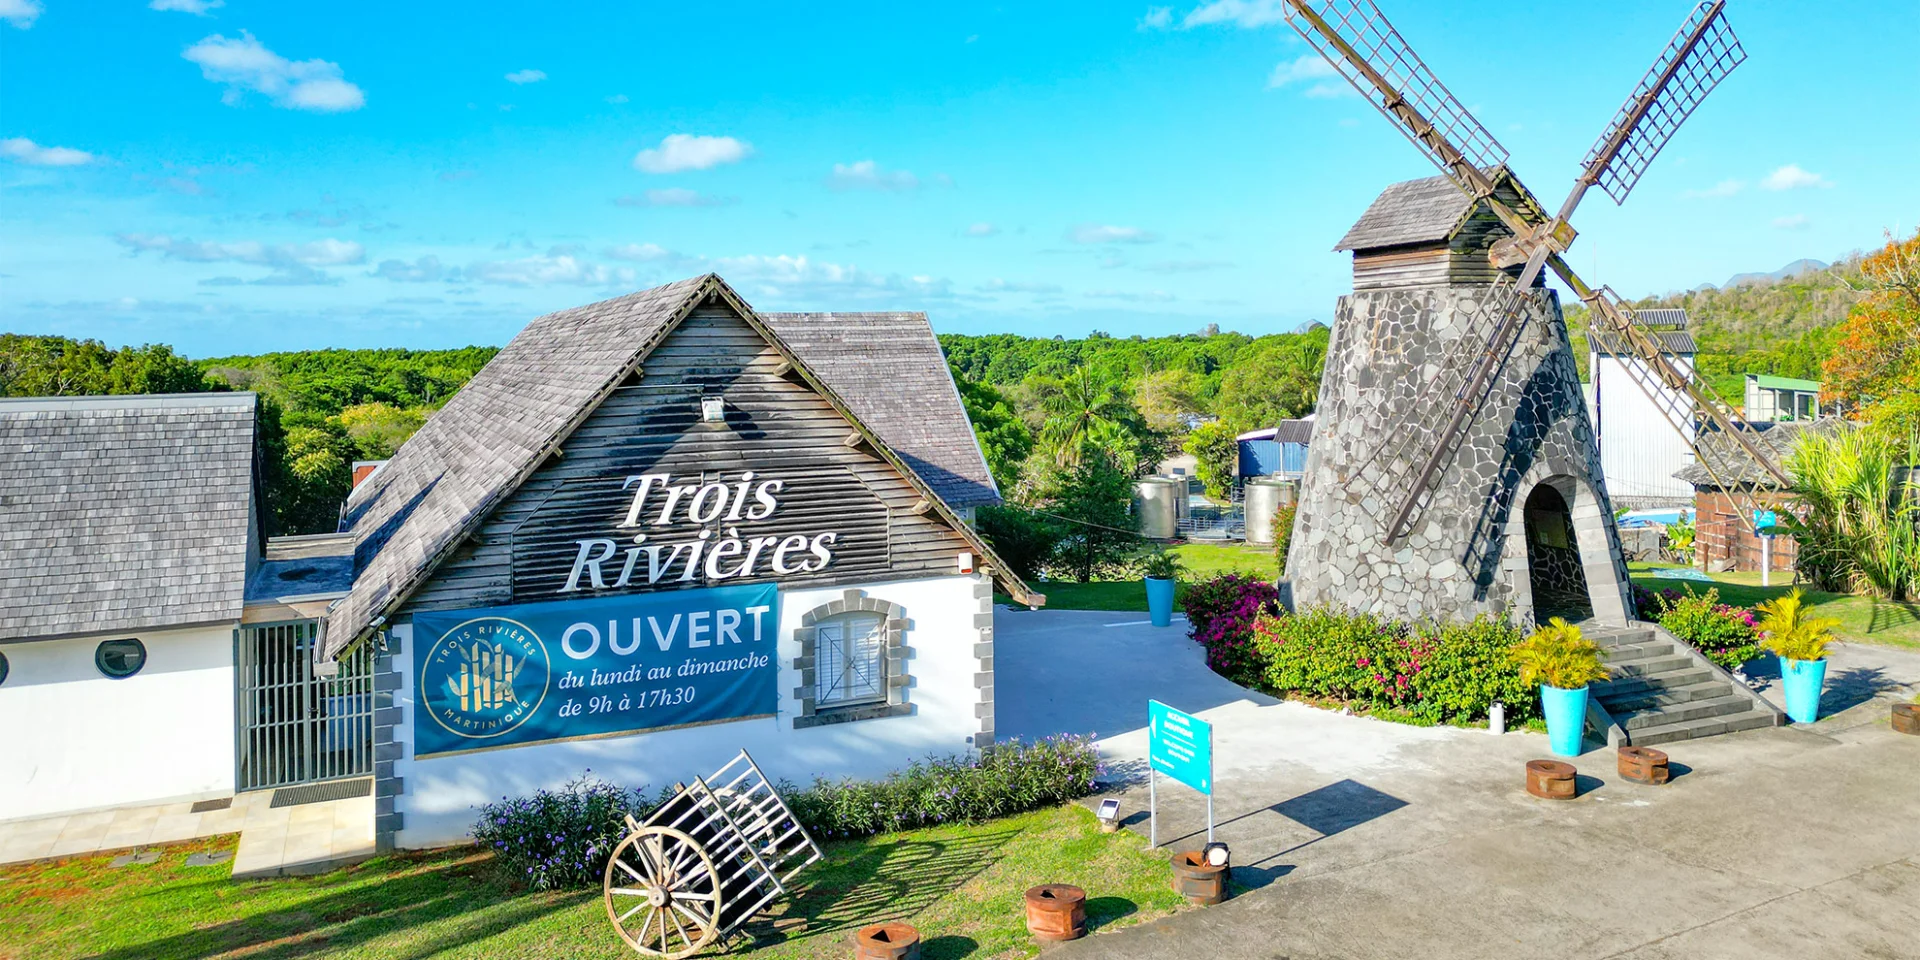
(1663, 690)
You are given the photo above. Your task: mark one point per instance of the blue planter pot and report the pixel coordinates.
(1803, 680)
(1566, 713)
(1160, 600)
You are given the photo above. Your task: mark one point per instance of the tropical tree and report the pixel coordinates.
(1875, 367)
(1165, 397)
(1215, 454)
(1281, 381)
(1004, 437)
(1081, 413)
(1790, 629)
(1856, 529)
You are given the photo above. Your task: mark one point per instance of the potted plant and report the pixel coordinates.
(1562, 662)
(1162, 571)
(1800, 641)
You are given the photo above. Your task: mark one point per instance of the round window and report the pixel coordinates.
(3, 668)
(120, 658)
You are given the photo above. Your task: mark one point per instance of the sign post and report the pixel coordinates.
(1764, 522)
(1179, 745)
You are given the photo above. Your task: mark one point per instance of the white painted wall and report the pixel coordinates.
(1639, 450)
(442, 795)
(73, 739)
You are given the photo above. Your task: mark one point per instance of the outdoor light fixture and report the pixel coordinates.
(965, 561)
(1216, 854)
(713, 409)
(1109, 814)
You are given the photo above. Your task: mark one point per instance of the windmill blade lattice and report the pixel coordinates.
(1357, 40)
(1701, 54)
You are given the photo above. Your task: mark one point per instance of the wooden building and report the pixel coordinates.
(1424, 233)
(1723, 540)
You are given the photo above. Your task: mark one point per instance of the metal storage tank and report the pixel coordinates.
(1156, 507)
(1263, 497)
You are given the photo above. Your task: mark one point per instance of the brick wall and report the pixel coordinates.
(1721, 534)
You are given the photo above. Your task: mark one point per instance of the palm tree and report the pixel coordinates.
(1083, 412)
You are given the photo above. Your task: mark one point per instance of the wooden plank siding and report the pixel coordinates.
(775, 426)
(1459, 259)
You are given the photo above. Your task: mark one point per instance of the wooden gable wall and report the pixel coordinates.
(775, 426)
(1461, 260)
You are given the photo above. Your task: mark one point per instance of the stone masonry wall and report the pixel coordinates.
(1467, 552)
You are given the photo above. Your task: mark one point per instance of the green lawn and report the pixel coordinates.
(1203, 561)
(1862, 619)
(961, 886)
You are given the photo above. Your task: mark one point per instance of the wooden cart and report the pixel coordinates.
(705, 863)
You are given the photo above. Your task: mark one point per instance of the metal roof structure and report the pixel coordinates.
(1766, 382)
(1676, 342)
(536, 391)
(125, 513)
(1734, 466)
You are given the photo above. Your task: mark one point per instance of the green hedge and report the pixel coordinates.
(1426, 672)
(1002, 779)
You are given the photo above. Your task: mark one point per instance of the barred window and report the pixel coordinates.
(850, 660)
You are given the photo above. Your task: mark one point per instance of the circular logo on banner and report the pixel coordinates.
(484, 677)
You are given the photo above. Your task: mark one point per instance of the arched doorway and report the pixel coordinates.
(1554, 570)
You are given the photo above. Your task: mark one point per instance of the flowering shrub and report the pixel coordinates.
(1431, 672)
(1726, 634)
(1221, 613)
(560, 839)
(1002, 779)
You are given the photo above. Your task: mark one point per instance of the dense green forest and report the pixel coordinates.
(1065, 423)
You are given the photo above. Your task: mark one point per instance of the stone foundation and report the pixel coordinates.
(1467, 553)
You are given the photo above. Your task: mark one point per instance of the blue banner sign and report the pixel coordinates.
(1180, 745)
(531, 673)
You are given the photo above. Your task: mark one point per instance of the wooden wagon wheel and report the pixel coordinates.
(662, 893)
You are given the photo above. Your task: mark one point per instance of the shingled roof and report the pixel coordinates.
(889, 369)
(498, 429)
(1428, 210)
(1731, 462)
(125, 513)
(1672, 341)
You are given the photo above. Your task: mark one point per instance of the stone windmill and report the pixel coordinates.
(1453, 469)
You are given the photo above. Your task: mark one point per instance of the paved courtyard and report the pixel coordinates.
(1368, 839)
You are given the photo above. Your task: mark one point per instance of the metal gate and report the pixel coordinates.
(295, 727)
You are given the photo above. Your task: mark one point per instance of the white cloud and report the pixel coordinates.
(801, 278)
(246, 64)
(198, 8)
(1156, 18)
(1150, 296)
(1185, 266)
(1098, 233)
(674, 197)
(426, 269)
(1796, 221)
(291, 263)
(997, 285)
(22, 150)
(681, 151)
(1313, 71)
(641, 252)
(526, 76)
(1791, 177)
(617, 98)
(20, 13)
(549, 269)
(982, 230)
(868, 175)
(1242, 13)
(1725, 188)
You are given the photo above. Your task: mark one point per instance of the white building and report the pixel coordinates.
(1640, 447)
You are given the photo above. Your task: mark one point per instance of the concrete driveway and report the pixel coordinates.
(1367, 839)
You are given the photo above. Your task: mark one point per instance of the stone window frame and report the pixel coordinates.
(895, 625)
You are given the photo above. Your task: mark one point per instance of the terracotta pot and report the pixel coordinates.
(1057, 911)
(1644, 765)
(1550, 779)
(1197, 880)
(887, 941)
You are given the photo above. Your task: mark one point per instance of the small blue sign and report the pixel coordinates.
(1180, 745)
(1765, 520)
(507, 676)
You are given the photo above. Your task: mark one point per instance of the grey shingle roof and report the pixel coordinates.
(498, 428)
(1732, 463)
(124, 513)
(1413, 211)
(889, 369)
(1675, 341)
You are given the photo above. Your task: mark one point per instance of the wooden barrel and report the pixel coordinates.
(1057, 911)
(1197, 880)
(1550, 779)
(1906, 717)
(1643, 765)
(887, 941)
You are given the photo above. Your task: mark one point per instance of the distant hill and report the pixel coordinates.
(1787, 272)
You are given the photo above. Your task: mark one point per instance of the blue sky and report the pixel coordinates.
(245, 176)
